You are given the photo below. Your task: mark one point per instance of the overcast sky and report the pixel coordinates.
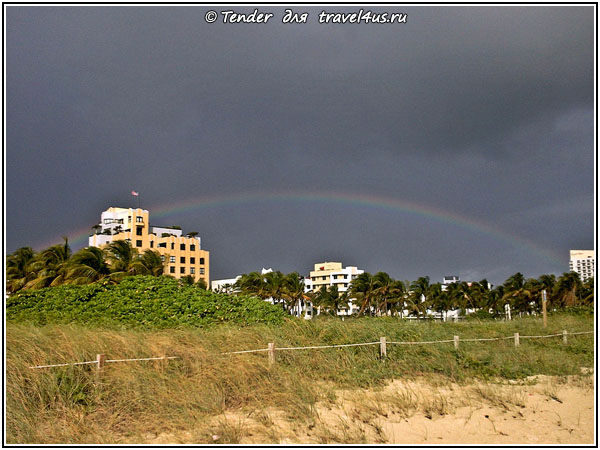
(483, 114)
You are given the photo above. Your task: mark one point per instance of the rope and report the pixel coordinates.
(141, 359)
(96, 362)
(485, 339)
(316, 347)
(246, 351)
(545, 336)
(420, 342)
(62, 365)
(327, 346)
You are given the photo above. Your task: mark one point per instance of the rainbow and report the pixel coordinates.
(360, 200)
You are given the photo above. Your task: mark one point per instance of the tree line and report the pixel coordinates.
(57, 265)
(380, 294)
(377, 294)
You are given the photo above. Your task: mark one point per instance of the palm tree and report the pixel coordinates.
(17, 269)
(275, 285)
(566, 289)
(48, 266)
(418, 297)
(516, 293)
(123, 259)
(387, 292)
(363, 289)
(586, 292)
(330, 299)
(86, 266)
(252, 283)
(293, 291)
(150, 263)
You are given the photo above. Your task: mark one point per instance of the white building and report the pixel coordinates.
(449, 279)
(227, 285)
(333, 274)
(582, 262)
(224, 286)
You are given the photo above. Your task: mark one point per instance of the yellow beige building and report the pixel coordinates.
(182, 255)
(331, 274)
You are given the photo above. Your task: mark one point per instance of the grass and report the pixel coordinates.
(130, 401)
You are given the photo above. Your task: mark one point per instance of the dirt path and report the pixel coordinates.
(540, 410)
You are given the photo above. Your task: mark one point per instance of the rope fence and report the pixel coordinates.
(101, 358)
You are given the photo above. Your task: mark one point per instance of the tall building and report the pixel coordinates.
(582, 262)
(182, 255)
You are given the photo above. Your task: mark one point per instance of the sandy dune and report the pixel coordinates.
(539, 410)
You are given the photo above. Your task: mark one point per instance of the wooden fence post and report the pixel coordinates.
(456, 339)
(516, 339)
(271, 353)
(564, 336)
(382, 347)
(100, 361)
(544, 308)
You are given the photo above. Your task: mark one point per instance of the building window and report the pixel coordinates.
(192, 248)
(139, 219)
(192, 260)
(192, 270)
(138, 243)
(128, 219)
(202, 270)
(335, 277)
(181, 246)
(151, 244)
(171, 269)
(182, 270)
(172, 246)
(138, 230)
(162, 244)
(172, 259)
(182, 259)
(345, 277)
(201, 260)
(162, 258)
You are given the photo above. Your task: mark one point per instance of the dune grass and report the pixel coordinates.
(128, 402)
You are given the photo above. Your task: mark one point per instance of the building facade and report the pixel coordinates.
(181, 254)
(582, 262)
(333, 274)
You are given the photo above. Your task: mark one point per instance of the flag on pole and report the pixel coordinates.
(135, 193)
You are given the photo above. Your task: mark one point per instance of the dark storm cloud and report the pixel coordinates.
(486, 112)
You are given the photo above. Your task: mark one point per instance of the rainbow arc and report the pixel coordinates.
(356, 200)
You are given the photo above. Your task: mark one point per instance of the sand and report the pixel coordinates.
(539, 410)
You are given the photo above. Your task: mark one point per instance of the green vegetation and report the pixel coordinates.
(380, 294)
(56, 266)
(131, 401)
(375, 295)
(139, 301)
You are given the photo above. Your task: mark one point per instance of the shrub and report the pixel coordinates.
(159, 302)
